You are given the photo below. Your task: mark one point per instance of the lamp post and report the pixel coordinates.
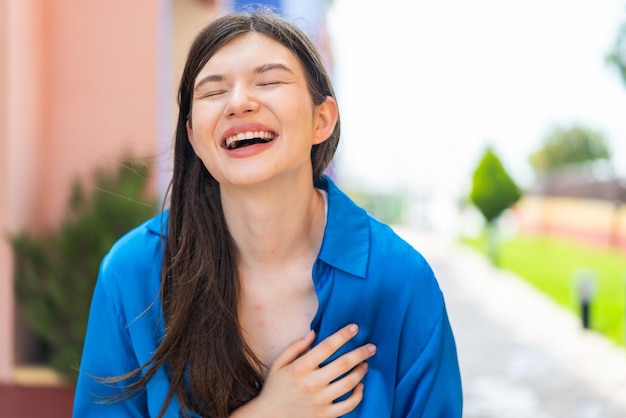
(585, 286)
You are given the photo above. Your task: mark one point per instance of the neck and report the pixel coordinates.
(274, 223)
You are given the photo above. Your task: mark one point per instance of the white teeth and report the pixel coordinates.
(247, 135)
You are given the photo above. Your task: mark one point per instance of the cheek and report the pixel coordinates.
(205, 113)
(203, 145)
(202, 135)
(303, 115)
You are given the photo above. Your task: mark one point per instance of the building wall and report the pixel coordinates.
(78, 87)
(100, 91)
(589, 221)
(20, 82)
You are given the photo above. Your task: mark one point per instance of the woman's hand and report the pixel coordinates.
(296, 385)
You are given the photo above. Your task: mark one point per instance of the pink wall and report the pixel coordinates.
(78, 87)
(6, 302)
(99, 90)
(19, 157)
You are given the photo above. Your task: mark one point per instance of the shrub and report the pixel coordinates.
(55, 272)
(493, 190)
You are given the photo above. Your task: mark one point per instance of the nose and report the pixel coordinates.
(241, 101)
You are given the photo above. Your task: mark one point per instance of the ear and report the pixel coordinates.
(190, 136)
(326, 115)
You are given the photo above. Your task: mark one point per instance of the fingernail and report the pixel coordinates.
(308, 334)
(371, 348)
(353, 328)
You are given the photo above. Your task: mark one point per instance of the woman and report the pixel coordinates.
(263, 291)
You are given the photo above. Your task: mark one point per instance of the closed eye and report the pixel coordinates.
(212, 93)
(271, 83)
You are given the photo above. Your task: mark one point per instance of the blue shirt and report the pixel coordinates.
(364, 274)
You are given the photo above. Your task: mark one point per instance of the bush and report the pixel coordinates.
(493, 190)
(55, 273)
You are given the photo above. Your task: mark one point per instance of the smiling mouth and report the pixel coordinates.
(245, 139)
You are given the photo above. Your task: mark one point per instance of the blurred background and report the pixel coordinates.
(425, 87)
(490, 134)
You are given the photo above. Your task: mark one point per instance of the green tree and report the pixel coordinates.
(493, 192)
(574, 145)
(55, 273)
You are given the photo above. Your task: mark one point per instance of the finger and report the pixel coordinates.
(331, 344)
(345, 384)
(341, 408)
(294, 350)
(347, 362)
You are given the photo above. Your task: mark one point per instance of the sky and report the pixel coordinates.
(425, 85)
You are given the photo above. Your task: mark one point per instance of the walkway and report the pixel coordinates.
(521, 355)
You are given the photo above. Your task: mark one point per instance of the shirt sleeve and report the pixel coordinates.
(431, 386)
(107, 352)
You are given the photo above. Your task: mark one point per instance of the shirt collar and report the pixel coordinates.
(346, 243)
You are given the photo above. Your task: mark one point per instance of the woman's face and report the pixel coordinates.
(252, 116)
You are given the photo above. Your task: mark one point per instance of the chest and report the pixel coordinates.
(275, 313)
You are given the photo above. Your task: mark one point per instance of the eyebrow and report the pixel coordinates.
(208, 79)
(263, 68)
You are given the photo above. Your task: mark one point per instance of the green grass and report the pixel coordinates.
(551, 265)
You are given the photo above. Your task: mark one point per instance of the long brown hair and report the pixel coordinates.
(211, 369)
